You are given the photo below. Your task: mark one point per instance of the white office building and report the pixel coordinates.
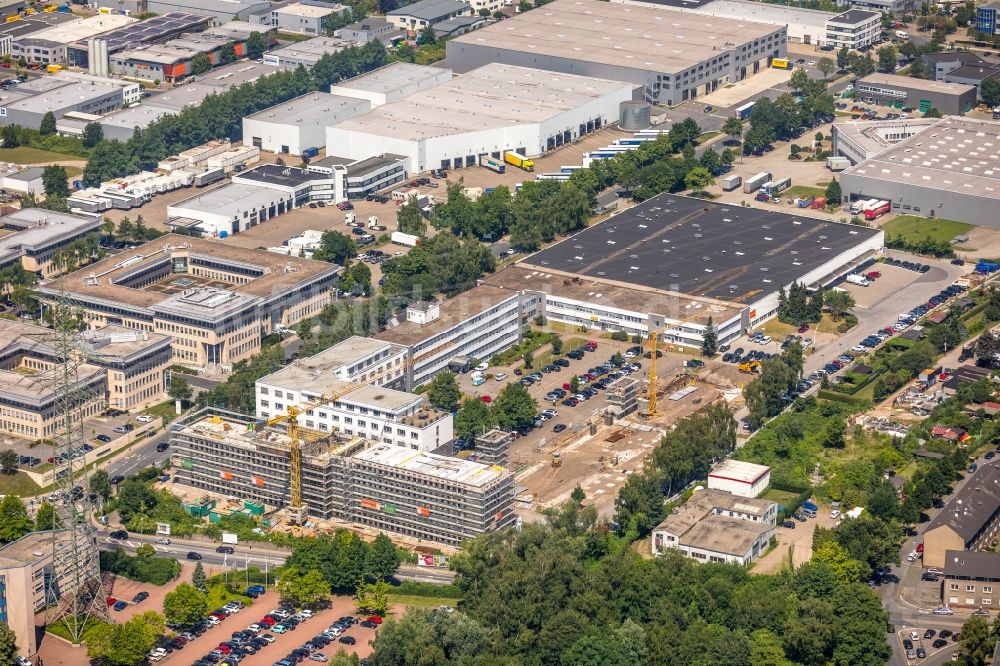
(355, 375)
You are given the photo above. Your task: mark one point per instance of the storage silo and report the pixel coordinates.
(634, 116)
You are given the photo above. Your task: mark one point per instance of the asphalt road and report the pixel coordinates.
(260, 556)
(141, 455)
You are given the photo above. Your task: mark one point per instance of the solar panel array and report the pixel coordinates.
(153, 29)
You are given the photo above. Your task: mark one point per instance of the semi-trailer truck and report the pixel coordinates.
(753, 183)
(859, 206)
(518, 160)
(877, 210)
(207, 177)
(409, 240)
(743, 112)
(776, 186)
(730, 183)
(492, 163)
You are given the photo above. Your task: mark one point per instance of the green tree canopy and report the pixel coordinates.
(48, 124)
(473, 418)
(302, 588)
(443, 392)
(14, 520)
(185, 605)
(514, 407)
(125, 644)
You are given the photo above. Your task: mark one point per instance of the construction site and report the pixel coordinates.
(307, 480)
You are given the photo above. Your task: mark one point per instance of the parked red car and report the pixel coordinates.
(376, 619)
(592, 345)
(874, 275)
(111, 601)
(225, 649)
(920, 547)
(803, 328)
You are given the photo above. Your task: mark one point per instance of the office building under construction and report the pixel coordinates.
(345, 478)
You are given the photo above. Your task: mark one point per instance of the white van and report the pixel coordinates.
(902, 34)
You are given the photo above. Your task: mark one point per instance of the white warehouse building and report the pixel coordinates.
(293, 126)
(392, 82)
(740, 478)
(484, 112)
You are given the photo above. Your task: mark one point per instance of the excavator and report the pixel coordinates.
(750, 367)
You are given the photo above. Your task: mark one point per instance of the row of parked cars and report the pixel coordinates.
(909, 265)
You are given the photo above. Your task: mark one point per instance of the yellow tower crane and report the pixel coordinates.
(654, 339)
(291, 415)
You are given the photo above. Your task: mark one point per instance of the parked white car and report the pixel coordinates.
(144, 418)
(500, 376)
(482, 367)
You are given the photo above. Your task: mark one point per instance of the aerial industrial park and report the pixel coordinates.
(395, 316)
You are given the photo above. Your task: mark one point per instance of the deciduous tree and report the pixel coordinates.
(14, 520)
(126, 644)
(514, 407)
(302, 588)
(443, 392)
(185, 605)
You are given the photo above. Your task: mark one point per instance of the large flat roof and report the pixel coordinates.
(32, 547)
(490, 97)
(906, 82)
(73, 31)
(316, 107)
(228, 197)
(280, 274)
(739, 470)
(719, 534)
(612, 294)
(753, 10)
(37, 228)
(311, 50)
(217, 81)
(702, 249)
(391, 77)
(654, 39)
(452, 312)
(35, 22)
(309, 11)
(150, 30)
(870, 135)
(957, 154)
(136, 116)
(456, 470)
(431, 9)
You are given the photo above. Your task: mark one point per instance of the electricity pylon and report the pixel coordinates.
(74, 591)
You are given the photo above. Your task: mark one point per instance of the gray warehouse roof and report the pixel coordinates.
(720, 251)
(648, 38)
(313, 107)
(391, 77)
(489, 97)
(971, 564)
(908, 83)
(958, 154)
(429, 10)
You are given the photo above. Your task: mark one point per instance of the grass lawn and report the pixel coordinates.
(218, 595)
(913, 228)
(707, 136)
(803, 191)
(164, 410)
(72, 171)
(18, 484)
(26, 155)
(59, 629)
(422, 602)
(778, 330)
(828, 325)
(779, 496)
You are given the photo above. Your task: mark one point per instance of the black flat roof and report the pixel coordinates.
(698, 248)
(854, 16)
(281, 175)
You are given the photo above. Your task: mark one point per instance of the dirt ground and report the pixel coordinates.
(796, 543)
(983, 242)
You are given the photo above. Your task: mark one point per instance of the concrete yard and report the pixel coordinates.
(735, 94)
(894, 278)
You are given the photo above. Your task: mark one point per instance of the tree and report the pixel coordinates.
(47, 518)
(410, 219)
(918, 68)
(932, 113)
(8, 644)
(14, 520)
(179, 390)
(977, 643)
(839, 302)
(256, 45)
(473, 418)
(372, 597)
(557, 345)
(733, 128)
(48, 124)
(357, 279)
(200, 63)
(710, 341)
(444, 393)
(100, 484)
(8, 461)
(384, 559)
(834, 435)
(529, 359)
(185, 605)
(198, 577)
(514, 407)
(698, 179)
(826, 67)
(228, 53)
(306, 589)
(833, 192)
(989, 90)
(574, 384)
(93, 134)
(54, 181)
(833, 554)
(125, 644)
(578, 495)
(427, 36)
(862, 66)
(887, 59)
(843, 58)
(335, 248)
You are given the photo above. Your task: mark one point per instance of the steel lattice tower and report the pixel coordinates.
(74, 589)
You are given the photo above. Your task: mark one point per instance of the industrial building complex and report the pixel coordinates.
(950, 170)
(671, 55)
(347, 478)
(215, 301)
(486, 111)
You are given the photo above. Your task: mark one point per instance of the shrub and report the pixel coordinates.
(620, 336)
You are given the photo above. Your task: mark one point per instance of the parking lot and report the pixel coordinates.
(923, 642)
